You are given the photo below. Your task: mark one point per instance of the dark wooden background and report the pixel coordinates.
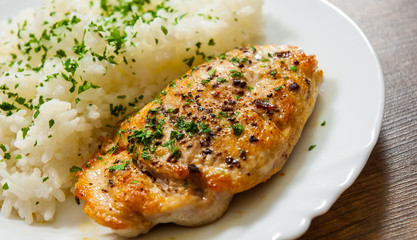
(382, 203)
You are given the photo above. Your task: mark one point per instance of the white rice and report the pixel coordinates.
(59, 127)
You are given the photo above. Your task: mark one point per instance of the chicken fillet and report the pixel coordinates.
(220, 129)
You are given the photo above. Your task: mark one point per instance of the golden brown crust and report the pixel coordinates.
(222, 128)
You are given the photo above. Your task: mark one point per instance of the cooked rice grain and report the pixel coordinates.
(72, 68)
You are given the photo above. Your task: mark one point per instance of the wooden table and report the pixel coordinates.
(382, 203)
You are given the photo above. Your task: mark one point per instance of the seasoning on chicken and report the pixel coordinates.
(220, 129)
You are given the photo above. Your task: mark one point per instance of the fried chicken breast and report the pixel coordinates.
(220, 129)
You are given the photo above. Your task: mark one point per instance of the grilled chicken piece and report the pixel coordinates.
(220, 129)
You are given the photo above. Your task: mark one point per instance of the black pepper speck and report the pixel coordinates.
(253, 139)
(294, 86)
(193, 168)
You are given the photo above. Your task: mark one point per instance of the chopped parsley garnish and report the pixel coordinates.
(44, 179)
(234, 73)
(117, 110)
(223, 114)
(189, 127)
(51, 123)
(237, 129)
(188, 102)
(7, 156)
(164, 30)
(5, 186)
(25, 132)
(145, 155)
(293, 68)
(176, 135)
(323, 123)
(74, 169)
(278, 88)
(204, 81)
(204, 128)
(5, 106)
(211, 72)
(119, 166)
(311, 147)
(189, 61)
(116, 39)
(61, 53)
(3, 148)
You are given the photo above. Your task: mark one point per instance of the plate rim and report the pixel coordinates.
(366, 150)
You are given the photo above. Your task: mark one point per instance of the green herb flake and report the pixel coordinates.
(61, 53)
(86, 86)
(323, 123)
(311, 147)
(293, 68)
(221, 80)
(211, 42)
(25, 132)
(5, 106)
(5, 186)
(75, 169)
(250, 88)
(164, 30)
(146, 155)
(278, 88)
(119, 166)
(204, 128)
(211, 72)
(51, 123)
(3, 148)
(44, 179)
(205, 81)
(237, 129)
(234, 73)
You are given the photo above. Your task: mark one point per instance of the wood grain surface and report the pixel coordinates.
(382, 203)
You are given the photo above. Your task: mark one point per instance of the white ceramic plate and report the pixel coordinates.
(351, 102)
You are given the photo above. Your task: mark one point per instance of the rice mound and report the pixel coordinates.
(71, 69)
